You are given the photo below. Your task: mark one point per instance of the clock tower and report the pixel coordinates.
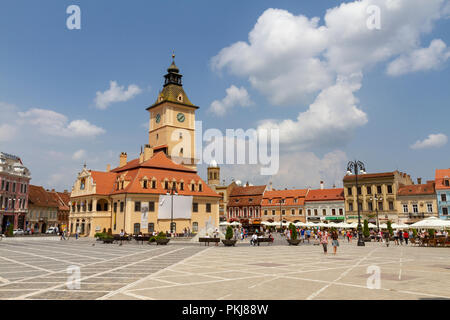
(172, 121)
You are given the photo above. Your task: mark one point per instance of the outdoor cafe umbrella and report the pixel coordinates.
(224, 223)
(400, 226)
(235, 223)
(383, 226)
(431, 223)
(372, 226)
(300, 224)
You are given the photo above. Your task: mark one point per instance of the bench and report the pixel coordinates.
(208, 240)
(141, 238)
(118, 238)
(268, 240)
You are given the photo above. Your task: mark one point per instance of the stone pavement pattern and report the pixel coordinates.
(181, 270)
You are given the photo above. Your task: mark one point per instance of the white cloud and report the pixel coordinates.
(7, 132)
(115, 93)
(235, 97)
(77, 155)
(422, 59)
(329, 121)
(297, 170)
(290, 58)
(432, 141)
(54, 123)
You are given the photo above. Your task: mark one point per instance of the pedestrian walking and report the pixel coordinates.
(400, 236)
(324, 241)
(335, 241)
(61, 235)
(387, 235)
(406, 237)
(121, 234)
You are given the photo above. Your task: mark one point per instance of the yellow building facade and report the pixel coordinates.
(160, 187)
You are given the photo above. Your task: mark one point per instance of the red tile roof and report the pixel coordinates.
(158, 167)
(440, 176)
(39, 197)
(294, 197)
(247, 191)
(325, 195)
(369, 175)
(62, 199)
(417, 189)
(158, 161)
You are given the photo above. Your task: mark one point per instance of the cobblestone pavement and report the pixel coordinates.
(183, 270)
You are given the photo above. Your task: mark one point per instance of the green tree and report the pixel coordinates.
(366, 230)
(229, 233)
(414, 233)
(10, 231)
(389, 227)
(293, 232)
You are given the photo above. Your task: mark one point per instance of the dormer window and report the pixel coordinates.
(270, 201)
(181, 186)
(192, 187)
(153, 184)
(447, 183)
(166, 185)
(144, 184)
(180, 97)
(200, 187)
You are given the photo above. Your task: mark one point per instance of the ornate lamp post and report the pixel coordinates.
(377, 198)
(172, 192)
(356, 166)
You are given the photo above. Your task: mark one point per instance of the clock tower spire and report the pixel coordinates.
(172, 120)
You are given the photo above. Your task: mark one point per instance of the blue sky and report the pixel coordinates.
(45, 66)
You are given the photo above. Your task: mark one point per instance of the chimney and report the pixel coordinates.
(53, 190)
(141, 157)
(419, 180)
(321, 185)
(108, 168)
(65, 191)
(123, 159)
(148, 152)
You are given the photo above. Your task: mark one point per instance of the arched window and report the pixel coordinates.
(83, 184)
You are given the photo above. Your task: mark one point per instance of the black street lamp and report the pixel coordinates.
(172, 192)
(356, 166)
(377, 198)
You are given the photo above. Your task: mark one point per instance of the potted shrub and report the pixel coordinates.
(229, 238)
(389, 227)
(366, 231)
(162, 239)
(293, 240)
(107, 238)
(10, 231)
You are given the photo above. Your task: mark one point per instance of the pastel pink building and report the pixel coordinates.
(14, 181)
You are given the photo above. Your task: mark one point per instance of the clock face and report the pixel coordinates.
(158, 118)
(180, 117)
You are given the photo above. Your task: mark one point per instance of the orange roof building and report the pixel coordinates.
(133, 197)
(416, 202)
(284, 205)
(442, 180)
(325, 205)
(42, 209)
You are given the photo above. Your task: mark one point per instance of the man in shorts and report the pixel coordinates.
(335, 242)
(308, 234)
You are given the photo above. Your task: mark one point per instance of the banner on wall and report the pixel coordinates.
(182, 207)
(144, 215)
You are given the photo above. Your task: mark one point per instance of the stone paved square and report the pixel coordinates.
(186, 270)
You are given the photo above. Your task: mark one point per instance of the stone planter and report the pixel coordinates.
(108, 240)
(293, 242)
(162, 241)
(229, 243)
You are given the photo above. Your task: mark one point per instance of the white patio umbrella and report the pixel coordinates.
(235, 223)
(266, 223)
(400, 226)
(353, 225)
(300, 224)
(372, 226)
(431, 223)
(224, 223)
(383, 226)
